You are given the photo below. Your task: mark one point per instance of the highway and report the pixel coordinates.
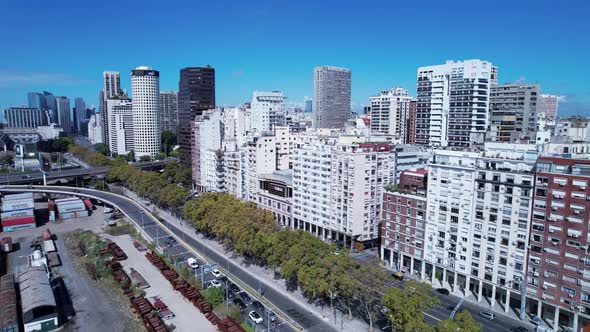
(135, 212)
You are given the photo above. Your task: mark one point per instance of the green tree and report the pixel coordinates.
(235, 313)
(214, 295)
(168, 141)
(145, 158)
(130, 156)
(405, 305)
(463, 322)
(371, 279)
(62, 143)
(102, 149)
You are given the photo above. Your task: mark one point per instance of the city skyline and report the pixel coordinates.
(289, 68)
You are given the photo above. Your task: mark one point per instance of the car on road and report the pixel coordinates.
(214, 283)
(170, 241)
(519, 329)
(245, 296)
(28, 176)
(258, 306)
(231, 294)
(255, 317)
(443, 291)
(487, 315)
(234, 288)
(108, 210)
(222, 278)
(192, 263)
(398, 275)
(272, 316)
(216, 273)
(239, 303)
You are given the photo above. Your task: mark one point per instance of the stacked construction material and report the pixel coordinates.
(8, 304)
(18, 212)
(229, 325)
(71, 207)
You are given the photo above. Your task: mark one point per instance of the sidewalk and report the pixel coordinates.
(267, 275)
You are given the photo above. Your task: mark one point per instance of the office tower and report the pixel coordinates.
(547, 105)
(121, 131)
(145, 90)
(267, 110)
(169, 111)
(37, 100)
(111, 84)
(403, 221)
(412, 123)
(513, 113)
(453, 103)
(94, 129)
(559, 240)
(64, 114)
(308, 105)
(80, 113)
(390, 114)
(51, 102)
(331, 96)
(45, 102)
(24, 117)
(196, 93)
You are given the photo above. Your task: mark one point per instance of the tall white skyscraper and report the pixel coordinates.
(267, 110)
(111, 84)
(145, 89)
(390, 113)
(331, 96)
(121, 138)
(453, 103)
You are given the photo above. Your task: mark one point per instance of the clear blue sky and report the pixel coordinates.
(63, 46)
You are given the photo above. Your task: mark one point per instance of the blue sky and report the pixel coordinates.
(63, 46)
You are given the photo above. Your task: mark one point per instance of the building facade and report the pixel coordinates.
(513, 113)
(548, 105)
(145, 89)
(64, 113)
(94, 129)
(331, 96)
(412, 123)
(453, 103)
(267, 110)
(80, 113)
(390, 114)
(169, 111)
(24, 117)
(121, 138)
(275, 194)
(196, 93)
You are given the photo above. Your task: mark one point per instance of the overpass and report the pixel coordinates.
(37, 176)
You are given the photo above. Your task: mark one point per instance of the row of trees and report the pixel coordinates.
(91, 158)
(322, 271)
(164, 189)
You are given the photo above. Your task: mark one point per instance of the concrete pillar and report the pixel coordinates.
(411, 265)
(556, 319)
(507, 304)
(382, 253)
(444, 278)
(401, 261)
(433, 273)
(455, 275)
(576, 322)
(539, 309)
(467, 284)
(493, 299)
(479, 291)
(423, 270)
(391, 258)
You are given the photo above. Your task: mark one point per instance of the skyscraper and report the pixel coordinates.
(196, 93)
(453, 103)
(331, 96)
(80, 113)
(169, 111)
(64, 113)
(121, 139)
(267, 110)
(390, 113)
(513, 113)
(45, 102)
(308, 105)
(547, 105)
(145, 90)
(111, 89)
(412, 123)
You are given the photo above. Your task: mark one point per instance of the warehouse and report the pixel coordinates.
(18, 212)
(71, 207)
(37, 300)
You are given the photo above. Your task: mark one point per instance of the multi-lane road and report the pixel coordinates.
(296, 312)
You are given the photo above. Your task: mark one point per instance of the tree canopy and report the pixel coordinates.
(463, 322)
(405, 305)
(102, 149)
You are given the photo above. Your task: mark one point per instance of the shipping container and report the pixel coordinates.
(75, 214)
(17, 214)
(18, 221)
(71, 208)
(18, 205)
(18, 227)
(17, 197)
(66, 200)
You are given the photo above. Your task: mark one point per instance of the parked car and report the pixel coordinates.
(487, 315)
(245, 296)
(234, 288)
(214, 283)
(108, 210)
(222, 279)
(255, 317)
(398, 275)
(272, 316)
(216, 273)
(443, 291)
(239, 303)
(170, 241)
(231, 294)
(192, 263)
(258, 306)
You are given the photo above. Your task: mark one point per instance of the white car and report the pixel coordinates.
(216, 273)
(192, 263)
(108, 210)
(255, 317)
(214, 283)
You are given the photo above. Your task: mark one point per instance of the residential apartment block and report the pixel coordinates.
(331, 96)
(513, 113)
(390, 114)
(267, 110)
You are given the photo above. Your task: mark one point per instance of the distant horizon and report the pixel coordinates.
(274, 45)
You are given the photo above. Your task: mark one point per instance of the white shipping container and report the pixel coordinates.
(13, 197)
(18, 205)
(71, 208)
(17, 214)
(66, 200)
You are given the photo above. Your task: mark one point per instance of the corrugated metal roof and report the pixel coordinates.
(35, 290)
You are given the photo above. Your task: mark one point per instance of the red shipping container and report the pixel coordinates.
(18, 221)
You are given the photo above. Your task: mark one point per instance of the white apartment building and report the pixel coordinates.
(453, 103)
(120, 120)
(145, 89)
(210, 162)
(478, 216)
(234, 172)
(261, 158)
(338, 187)
(95, 129)
(390, 114)
(267, 110)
